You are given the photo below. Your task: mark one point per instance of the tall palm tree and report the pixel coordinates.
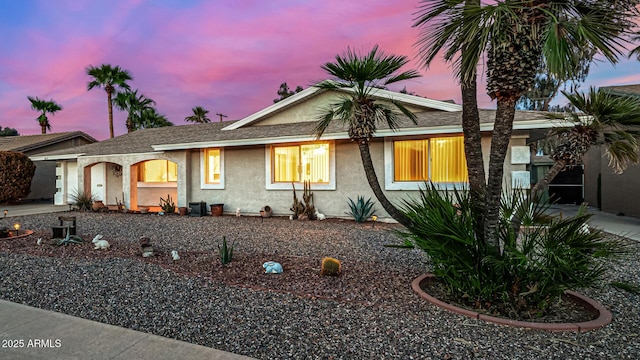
(111, 79)
(199, 115)
(515, 36)
(45, 107)
(364, 75)
(133, 104)
(602, 119)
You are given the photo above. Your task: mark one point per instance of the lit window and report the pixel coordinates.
(448, 163)
(298, 163)
(157, 171)
(212, 166)
(440, 160)
(411, 160)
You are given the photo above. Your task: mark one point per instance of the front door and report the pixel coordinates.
(98, 182)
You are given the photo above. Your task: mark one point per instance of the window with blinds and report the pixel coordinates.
(440, 160)
(298, 163)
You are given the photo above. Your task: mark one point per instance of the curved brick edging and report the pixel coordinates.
(604, 315)
(26, 233)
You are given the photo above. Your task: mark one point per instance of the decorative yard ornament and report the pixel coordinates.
(272, 267)
(99, 243)
(174, 255)
(238, 212)
(39, 242)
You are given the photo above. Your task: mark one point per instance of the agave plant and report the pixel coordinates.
(361, 209)
(225, 252)
(69, 239)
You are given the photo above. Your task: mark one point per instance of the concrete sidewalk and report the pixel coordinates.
(32, 333)
(626, 226)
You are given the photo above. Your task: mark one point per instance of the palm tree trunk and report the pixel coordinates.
(110, 105)
(499, 145)
(542, 184)
(372, 178)
(43, 128)
(473, 151)
(473, 144)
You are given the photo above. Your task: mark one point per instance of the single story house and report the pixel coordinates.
(43, 185)
(253, 162)
(611, 192)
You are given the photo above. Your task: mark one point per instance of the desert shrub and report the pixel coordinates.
(167, 205)
(528, 269)
(361, 209)
(83, 200)
(16, 172)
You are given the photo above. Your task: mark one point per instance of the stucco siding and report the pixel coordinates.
(307, 110)
(245, 179)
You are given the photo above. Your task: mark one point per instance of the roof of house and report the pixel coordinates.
(26, 143)
(624, 89)
(212, 134)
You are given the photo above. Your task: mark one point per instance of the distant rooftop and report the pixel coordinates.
(24, 143)
(624, 89)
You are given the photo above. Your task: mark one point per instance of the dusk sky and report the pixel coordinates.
(228, 56)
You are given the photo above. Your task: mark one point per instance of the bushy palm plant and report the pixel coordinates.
(526, 271)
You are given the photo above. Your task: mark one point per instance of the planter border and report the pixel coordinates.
(25, 233)
(603, 318)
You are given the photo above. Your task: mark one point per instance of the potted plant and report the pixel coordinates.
(217, 209)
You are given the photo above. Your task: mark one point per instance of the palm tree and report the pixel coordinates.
(45, 107)
(603, 119)
(635, 51)
(133, 104)
(150, 118)
(109, 78)
(515, 37)
(199, 115)
(364, 75)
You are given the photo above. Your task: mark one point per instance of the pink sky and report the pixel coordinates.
(227, 56)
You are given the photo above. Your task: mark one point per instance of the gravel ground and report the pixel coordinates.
(369, 312)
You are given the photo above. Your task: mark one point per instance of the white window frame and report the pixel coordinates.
(391, 184)
(270, 185)
(203, 176)
(158, 184)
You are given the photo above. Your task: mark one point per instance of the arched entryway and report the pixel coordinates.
(152, 180)
(104, 180)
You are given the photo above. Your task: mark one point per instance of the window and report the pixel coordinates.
(296, 163)
(410, 162)
(157, 171)
(212, 168)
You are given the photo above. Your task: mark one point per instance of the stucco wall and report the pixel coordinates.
(245, 176)
(307, 110)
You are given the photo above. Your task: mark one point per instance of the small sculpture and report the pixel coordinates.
(39, 242)
(145, 246)
(174, 255)
(320, 216)
(99, 243)
(272, 267)
(238, 212)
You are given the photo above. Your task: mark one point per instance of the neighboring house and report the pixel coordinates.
(611, 192)
(252, 162)
(43, 185)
